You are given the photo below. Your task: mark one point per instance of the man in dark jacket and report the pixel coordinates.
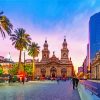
(74, 81)
(77, 80)
(10, 78)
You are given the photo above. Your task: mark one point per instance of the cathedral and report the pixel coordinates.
(52, 66)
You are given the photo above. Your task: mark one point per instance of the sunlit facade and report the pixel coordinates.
(80, 69)
(53, 66)
(5, 64)
(95, 67)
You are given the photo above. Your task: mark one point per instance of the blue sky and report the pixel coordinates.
(52, 19)
(45, 14)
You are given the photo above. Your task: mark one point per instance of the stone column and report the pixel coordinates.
(48, 71)
(38, 72)
(59, 71)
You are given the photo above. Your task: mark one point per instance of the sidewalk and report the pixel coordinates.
(98, 81)
(85, 94)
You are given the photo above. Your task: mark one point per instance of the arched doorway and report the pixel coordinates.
(63, 72)
(43, 72)
(53, 72)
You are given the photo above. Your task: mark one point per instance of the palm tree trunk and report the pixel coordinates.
(33, 68)
(19, 65)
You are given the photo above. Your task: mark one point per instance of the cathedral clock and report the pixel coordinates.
(64, 55)
(44, 55)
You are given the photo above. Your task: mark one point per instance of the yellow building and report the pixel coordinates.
(5, 64)
(95, 67)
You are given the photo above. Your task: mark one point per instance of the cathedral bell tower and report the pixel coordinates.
(64, 51)
(45, 52)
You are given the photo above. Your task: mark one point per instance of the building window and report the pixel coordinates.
(63, 72)
(53, 69)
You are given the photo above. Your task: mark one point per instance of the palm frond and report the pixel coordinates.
(33, 49)
(2, 32)
(20, 39)
(5, 25)
(1, 13)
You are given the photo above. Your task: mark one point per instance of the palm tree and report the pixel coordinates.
(33, 51)
(5, 25)
(20, 40)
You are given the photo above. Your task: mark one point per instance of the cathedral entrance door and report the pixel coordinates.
(43, 75)
(43, 72)
(63, 75)
(53, 72)
(63, 72)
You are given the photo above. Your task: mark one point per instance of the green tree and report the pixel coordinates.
(5, 25)
(20, 40)
(28, 69)
(14, 70)
(33, 51)
(1, 70)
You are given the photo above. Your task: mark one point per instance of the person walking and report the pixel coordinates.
(77, 81)
(20, 79)
(58, 80)
(74, 82)
(23, 79)
(10, 78)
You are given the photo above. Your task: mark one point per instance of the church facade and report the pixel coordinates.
(52, 66)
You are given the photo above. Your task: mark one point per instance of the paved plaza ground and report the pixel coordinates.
(39, 90)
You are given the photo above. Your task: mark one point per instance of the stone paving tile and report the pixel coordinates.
(42, 90)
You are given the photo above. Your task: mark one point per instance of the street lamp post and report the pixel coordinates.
(24, 59)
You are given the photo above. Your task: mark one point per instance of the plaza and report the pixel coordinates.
(49, 49)
(39, 90)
